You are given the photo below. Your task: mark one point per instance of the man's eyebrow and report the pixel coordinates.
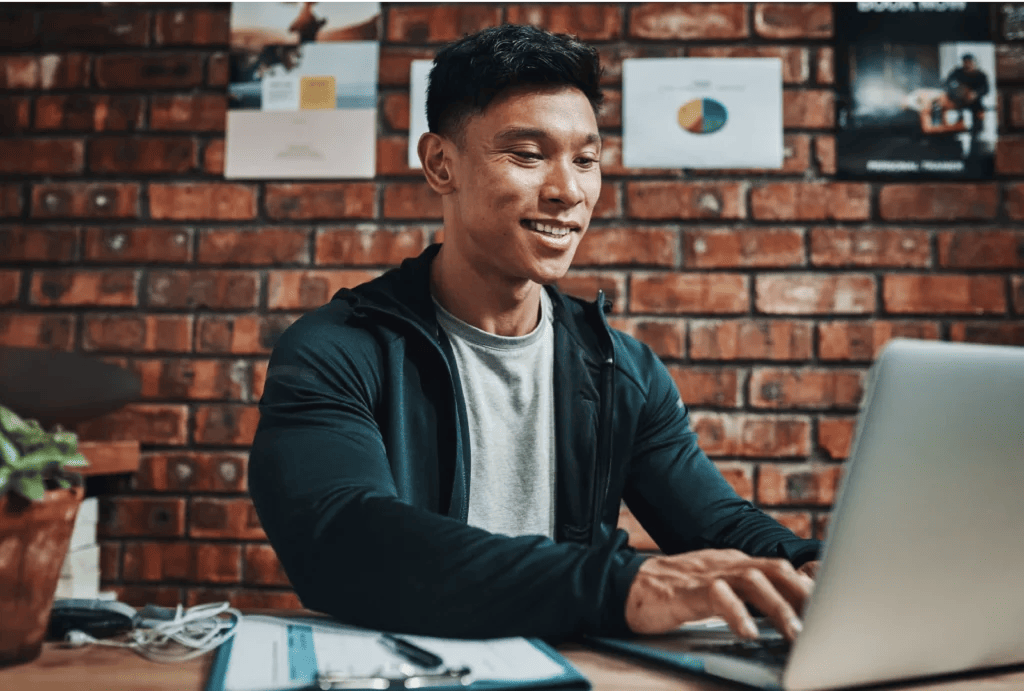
(513, 133)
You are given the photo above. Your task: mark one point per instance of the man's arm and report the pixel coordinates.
(323, 488)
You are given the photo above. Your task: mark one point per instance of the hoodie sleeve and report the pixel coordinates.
(322, 486)
(681, 498)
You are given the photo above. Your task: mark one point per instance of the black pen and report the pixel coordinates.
(412, 653)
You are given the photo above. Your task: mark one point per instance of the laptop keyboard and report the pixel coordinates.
(773, 651)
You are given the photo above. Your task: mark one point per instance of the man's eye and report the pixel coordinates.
(532, 155)
(586, 161)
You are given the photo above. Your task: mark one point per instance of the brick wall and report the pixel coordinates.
(768, 293)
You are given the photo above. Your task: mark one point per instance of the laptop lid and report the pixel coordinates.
(923, 562)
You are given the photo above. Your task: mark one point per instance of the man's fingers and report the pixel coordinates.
(756, 588)
(726, 604)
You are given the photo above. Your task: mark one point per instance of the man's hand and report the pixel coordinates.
(672, 590)
(811, 569)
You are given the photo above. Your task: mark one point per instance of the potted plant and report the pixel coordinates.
(39, 500)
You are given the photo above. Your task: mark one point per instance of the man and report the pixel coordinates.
(965, 86)
(443, 450)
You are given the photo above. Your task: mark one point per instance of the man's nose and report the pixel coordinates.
(562, 185)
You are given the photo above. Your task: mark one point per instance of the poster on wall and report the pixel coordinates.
(419, 74)
(702, 113)
(916, 94)
(302, 97)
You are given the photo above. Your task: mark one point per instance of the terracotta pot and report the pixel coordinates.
(34, 539)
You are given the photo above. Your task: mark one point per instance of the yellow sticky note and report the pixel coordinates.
(317, 93)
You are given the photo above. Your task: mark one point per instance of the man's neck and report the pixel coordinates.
(482, 301)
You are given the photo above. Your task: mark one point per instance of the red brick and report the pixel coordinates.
(188, 289)
(85, 288)
(41, 156)
(835, 436)
(612, 56)
(667, 338)
(143, 155)
(85, 200)
(196, 113)
(1009, 64)
(938, 202)
(701, 386)
(996, 333)
(147, 423)
(740, 476)
(826, 66)
(89, 112)
(202, 201)
(10, 200)
(109, 27)
(38, 244)
(585, 285)
(18, 27)
(141, 516)
(1010, 155)
(981, 249)
(14, 114)
(192, 471)
(1017, 283)
(110, 561)
(748, 339)
(1015, 202)
(862, 247)
(411, 200)
(612, 166)
(137, 245)
(253, 246)
(743, 247)
(689, 293)
(811, 201)
(262, 566)
(134, 333)
(325, 200)
(147, 71)
(218, 70)
(64, 71)
(305, 290)
(212, 517)
(805, 388)
(246, 334)
(245, 599)
(395, 108)
(393, 157)
(609, 202)
(628, 247)
(374, 246)
(752, 436)
(395, 63)
(54, 331)
(19, 72)
(610, 114)
(786, 20)
(1015, 110)
(797, 485)
(825, 153)
(951, 294)
(191, 379)
(815, 293)
(182, 561)
(863, 340)
(589, 22)
(688, 21)
(192, 27)
(685, 200)
(213, 157)
(812, 109)
(439, 23)
(795, 67)
(10, 286)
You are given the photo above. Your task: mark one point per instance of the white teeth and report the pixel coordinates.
(554, 231)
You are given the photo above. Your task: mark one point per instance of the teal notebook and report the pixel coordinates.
(286, 654)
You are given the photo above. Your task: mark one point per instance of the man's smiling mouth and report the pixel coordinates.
(552, 229)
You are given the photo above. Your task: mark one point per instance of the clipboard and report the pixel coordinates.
(288, 654)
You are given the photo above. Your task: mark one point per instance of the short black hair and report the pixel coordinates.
(968, 56)
(470, 72)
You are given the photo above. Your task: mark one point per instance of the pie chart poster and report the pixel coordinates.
(915, 91)
(702, 113)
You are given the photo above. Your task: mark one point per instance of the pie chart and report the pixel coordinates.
(702, 116)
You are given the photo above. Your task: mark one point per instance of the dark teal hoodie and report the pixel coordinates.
(359, 472)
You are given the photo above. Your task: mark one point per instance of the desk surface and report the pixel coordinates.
(113, 669)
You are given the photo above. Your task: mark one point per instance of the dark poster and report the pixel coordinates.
(916, 93)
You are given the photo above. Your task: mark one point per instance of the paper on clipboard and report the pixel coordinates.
(270, 653)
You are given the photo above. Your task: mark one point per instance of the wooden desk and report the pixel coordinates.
(114, 669)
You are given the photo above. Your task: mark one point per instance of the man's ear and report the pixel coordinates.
(434, 152)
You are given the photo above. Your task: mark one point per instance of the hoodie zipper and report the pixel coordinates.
(602, 478)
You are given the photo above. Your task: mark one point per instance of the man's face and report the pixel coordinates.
(969, 65)
(527, 178)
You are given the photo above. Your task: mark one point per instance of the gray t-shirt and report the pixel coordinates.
(509, 390)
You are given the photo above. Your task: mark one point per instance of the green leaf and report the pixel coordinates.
(5, 477)
(8, 452)
(30, 487)
(39, 459)
(10, 422)
(76, 461)
(61, 482)
(67, 442)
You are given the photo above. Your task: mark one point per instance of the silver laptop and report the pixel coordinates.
(923, 570)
